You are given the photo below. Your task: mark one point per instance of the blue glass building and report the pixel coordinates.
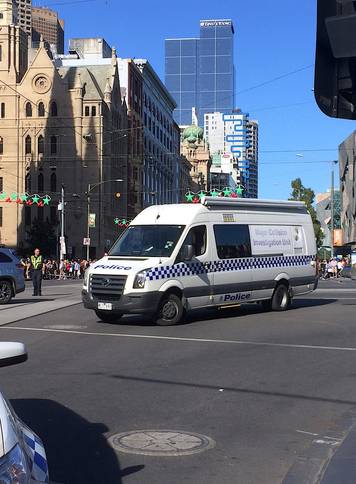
(200, 72)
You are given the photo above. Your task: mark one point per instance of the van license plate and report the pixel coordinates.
(105, 306)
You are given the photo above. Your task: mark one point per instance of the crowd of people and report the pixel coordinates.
(58, 269)
(333, 268)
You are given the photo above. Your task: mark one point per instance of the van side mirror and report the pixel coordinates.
(335, 65)
(187, 252)
(12, 353)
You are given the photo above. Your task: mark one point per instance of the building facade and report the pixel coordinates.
(323, 213)
(68, 120)
(233, 144)
(161, 140)
(196, 151)
(131, 82)
(46, 22)
(347, 167)
(24, 15)
(200, 73)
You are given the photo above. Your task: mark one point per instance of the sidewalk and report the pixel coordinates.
(54, 297)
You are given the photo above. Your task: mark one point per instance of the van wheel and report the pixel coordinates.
(281, 299)
(170, 311)
(5, 292)
(108, 317)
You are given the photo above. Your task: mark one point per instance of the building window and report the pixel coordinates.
(28, 145)
(53, 183)
(41, 110)
(2, 110)
(87, 111)
(40, 214)
(1, 184)
(28, 183)
(28, 110)
(40, 182)
(1, 145)
(93, 110)
(53, 145)
(1, 217)
(54, 109)
(40, 145)
(53, 215)
(27, 215)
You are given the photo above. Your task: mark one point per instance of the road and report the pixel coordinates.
(274, 391)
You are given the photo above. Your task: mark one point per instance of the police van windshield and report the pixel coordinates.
(148, 241)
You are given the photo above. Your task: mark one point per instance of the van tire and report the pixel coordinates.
(108, 317)
(170, 311)
(5, 292)
(281, 299)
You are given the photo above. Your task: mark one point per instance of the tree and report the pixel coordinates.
(43, 236)
(307, 195)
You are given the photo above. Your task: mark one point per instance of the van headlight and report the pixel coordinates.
(14, 468)
(140, 280)
(86, 278)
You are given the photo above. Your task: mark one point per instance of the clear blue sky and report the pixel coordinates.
(272, 38)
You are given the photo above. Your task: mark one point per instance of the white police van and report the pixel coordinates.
(174, 258)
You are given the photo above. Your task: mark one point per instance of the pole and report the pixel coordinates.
(61, 252)
(88, 226)
(332, 211)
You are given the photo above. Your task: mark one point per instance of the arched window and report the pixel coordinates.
(28, 183)
(40, 145)
(54, 109)
(1, 145)
(41, 110)
(53, 183)
(28, 145)
(40, 182)
(28, 110)
(53, 145)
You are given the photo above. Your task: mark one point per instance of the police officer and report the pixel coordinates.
(37, 271)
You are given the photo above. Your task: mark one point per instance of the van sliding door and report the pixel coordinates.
(232, 273)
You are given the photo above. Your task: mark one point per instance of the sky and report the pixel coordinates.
(272, 39)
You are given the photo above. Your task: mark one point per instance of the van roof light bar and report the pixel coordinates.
(245, 203)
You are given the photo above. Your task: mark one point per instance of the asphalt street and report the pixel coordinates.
(275, 391)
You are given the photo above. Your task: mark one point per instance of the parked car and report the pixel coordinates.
(22, 455)
(12, 279)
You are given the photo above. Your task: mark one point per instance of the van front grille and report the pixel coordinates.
(107, 287)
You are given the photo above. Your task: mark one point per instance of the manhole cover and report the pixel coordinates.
(161, 443)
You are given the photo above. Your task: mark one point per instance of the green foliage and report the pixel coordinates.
(307, 195)
(43, 236)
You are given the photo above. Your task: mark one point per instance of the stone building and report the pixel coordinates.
(60, 125)
(347, 167)
(196, 151)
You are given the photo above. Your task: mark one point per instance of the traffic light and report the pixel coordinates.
(117, 194)
(335, 64)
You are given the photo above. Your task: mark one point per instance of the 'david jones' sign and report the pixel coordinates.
(236, 139)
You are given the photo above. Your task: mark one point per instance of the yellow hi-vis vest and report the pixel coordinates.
(36, 262)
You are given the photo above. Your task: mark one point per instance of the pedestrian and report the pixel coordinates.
(38, 268)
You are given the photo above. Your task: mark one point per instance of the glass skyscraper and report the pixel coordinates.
(200, 72)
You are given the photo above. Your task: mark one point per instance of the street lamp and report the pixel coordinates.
(92, 187)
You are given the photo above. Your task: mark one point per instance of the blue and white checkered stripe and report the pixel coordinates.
(196, 268)
(37, 456)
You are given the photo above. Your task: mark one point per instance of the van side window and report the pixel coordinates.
(197, 238)
(232, 241)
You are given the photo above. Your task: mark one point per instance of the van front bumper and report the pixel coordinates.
(145, 303)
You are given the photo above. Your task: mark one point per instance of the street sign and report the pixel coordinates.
(91, 220)
(86, 241)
